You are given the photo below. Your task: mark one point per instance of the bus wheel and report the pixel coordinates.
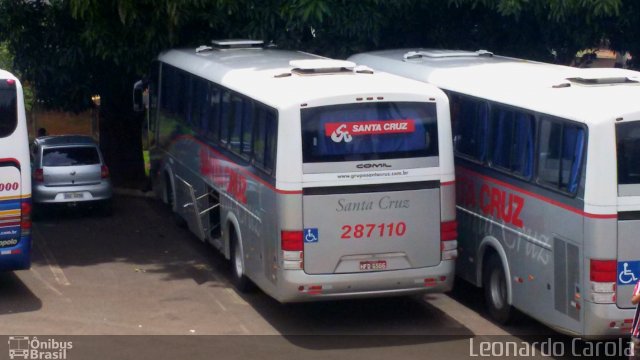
(239, 279)
(494, 283)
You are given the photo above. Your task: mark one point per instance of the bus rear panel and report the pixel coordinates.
(373, 228)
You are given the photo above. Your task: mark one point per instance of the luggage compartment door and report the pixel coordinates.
(371, 228)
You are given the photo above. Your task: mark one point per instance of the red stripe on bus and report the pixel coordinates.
(245, 172)
(448, 183)
(539, 197)
(13, 160)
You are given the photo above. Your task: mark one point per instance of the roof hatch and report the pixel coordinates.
(230, 44)
(321, 66)
(237, 44)
(439, 54)
(604, 76)
(604, 80)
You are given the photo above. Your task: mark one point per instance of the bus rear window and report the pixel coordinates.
(357, 132)
(628, 138)
(8, 108)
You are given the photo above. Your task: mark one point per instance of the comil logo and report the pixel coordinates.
(340, 132)
(25, 347)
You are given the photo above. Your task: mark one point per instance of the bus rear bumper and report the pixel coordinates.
(17, 257)
(606, 320)
(297, 286)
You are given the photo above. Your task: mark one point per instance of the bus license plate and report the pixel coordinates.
(373, 265)
(73, 195)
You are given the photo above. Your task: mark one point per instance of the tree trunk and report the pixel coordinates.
(121, 137)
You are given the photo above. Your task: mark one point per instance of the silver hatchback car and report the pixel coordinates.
(69, 169)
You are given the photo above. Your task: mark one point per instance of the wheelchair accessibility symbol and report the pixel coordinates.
(311, 235)
(627, 272)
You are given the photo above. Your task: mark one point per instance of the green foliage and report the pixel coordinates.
(42, 37)
(6, 63)
(6, 59)
(71, 49)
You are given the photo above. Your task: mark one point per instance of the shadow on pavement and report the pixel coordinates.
(15, 296)
(142, 239)
(141, 232)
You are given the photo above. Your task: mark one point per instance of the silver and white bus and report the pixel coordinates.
(548, 183)
(318, 179)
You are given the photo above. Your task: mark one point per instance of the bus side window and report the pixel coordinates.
(264, 139)
(187, 98)
(199, 108)
(272, 134)
(562, 148)
(470, 119)
(212, 126)
(226, 112)
(248, 114)
(512, 141)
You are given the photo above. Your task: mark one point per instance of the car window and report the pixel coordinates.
(68, 156)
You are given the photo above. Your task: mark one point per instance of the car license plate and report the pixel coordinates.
(73, 196)
(373, 265)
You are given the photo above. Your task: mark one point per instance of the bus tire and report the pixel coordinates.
(238, 277)
(494, 283)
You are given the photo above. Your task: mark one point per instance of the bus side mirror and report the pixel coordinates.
(140, 96)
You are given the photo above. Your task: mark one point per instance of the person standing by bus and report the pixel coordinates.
(635, 327)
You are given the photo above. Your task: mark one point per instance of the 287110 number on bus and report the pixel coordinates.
(368, 231)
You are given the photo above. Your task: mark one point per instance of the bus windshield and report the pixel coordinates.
(357, 132)
(628, 137)
(8, 108)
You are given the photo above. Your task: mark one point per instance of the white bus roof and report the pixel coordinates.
(281, 78)
(6, 75)
(585, 95)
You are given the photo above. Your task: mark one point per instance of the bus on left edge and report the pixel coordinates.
(15, 177)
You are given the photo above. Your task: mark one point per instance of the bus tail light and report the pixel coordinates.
(25, 217)
(449, 230)
(104, 172)
(434, 281)
(448, 240)
(602, 274)
(292, 249)
(38, 175)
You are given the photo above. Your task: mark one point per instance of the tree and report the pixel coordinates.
(72, 49)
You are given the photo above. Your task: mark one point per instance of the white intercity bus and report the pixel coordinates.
(548, 183)
(15, 177)
(316, 178)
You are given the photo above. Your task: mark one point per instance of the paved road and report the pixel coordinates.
(137, 273)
